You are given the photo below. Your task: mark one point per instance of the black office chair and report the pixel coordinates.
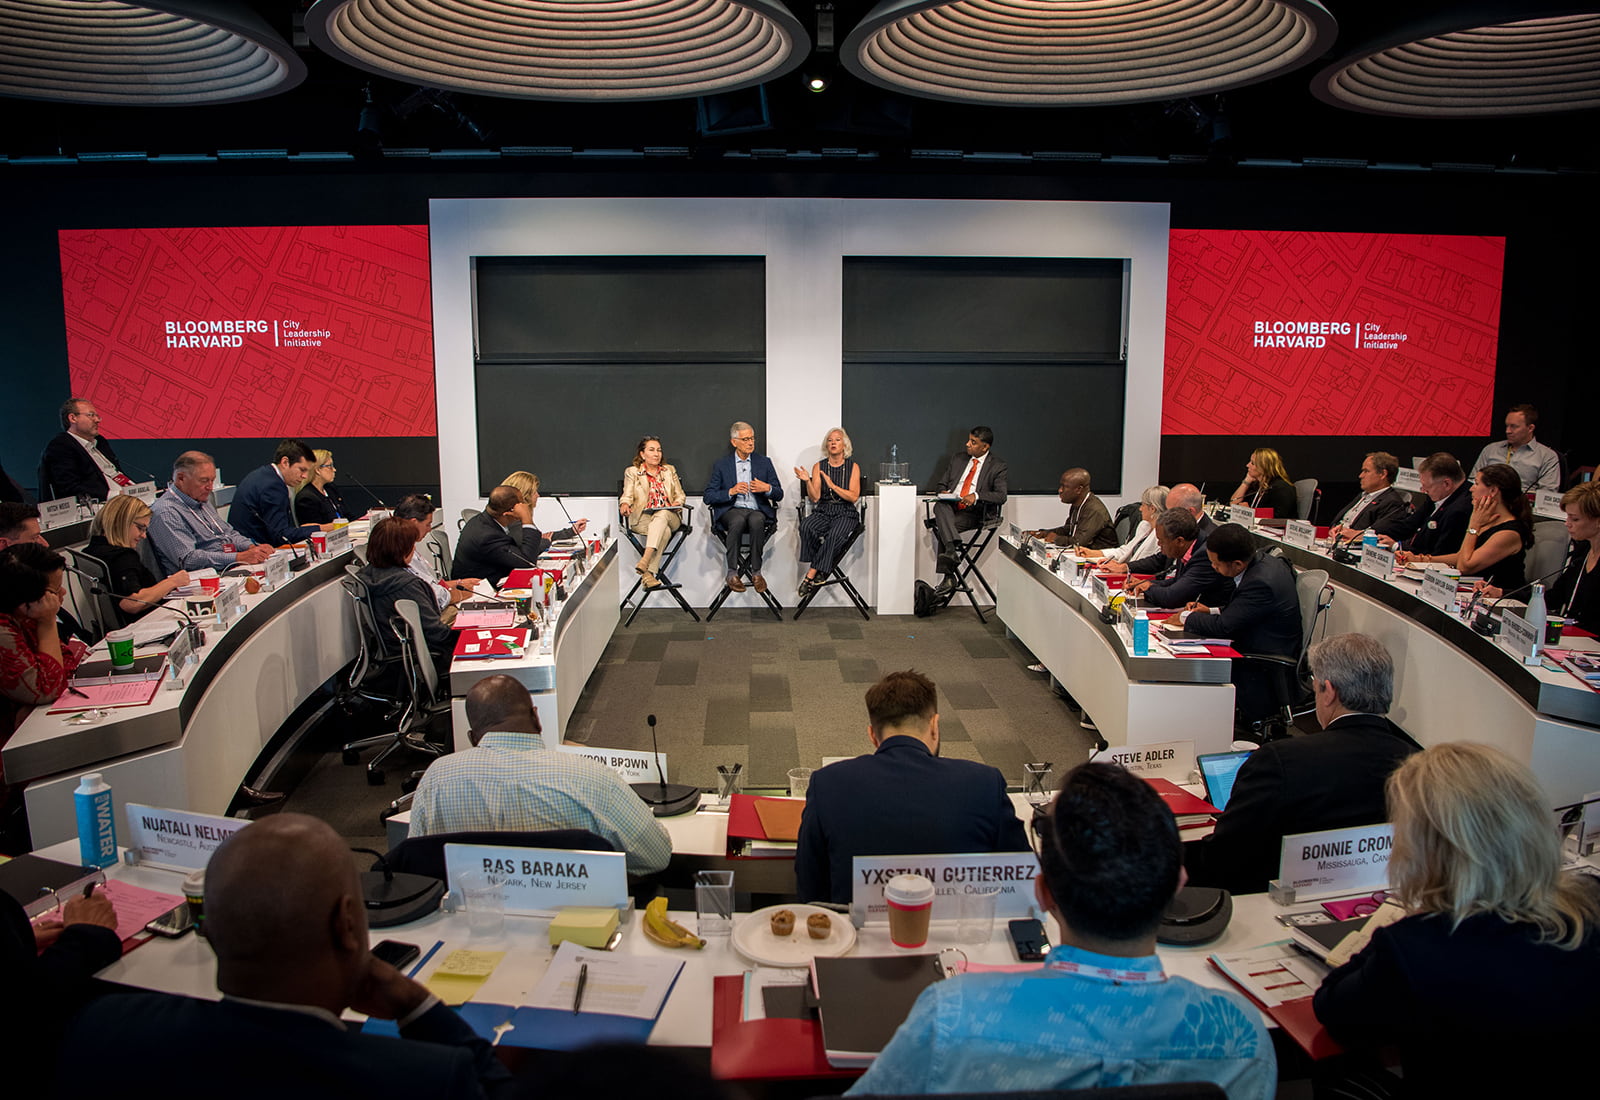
(418, 698)
(969, 548)
(1126, 522)
(837, 574)
(1286, 681)
(668, 552)
(746, 569)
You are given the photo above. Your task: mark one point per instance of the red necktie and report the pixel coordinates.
(966, 484)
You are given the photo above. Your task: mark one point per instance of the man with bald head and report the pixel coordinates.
(1190, 499)
(1088, 524)
(509, 782)
(285, 917)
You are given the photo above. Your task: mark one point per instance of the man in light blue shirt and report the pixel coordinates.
(186, 530)
(1537, 465)
(1101, 1012)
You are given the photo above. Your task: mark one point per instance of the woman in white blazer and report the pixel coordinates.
(651, 498)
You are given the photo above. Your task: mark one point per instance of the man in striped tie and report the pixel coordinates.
(973, 482)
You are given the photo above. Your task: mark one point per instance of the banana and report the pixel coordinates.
(668, 933)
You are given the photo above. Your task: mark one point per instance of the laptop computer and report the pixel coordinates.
(1217, 771)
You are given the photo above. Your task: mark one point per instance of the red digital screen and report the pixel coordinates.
(246, 333)
(1363, 334)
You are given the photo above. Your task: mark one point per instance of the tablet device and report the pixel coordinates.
(1217, 771)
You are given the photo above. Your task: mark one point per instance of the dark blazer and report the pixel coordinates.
(1328, 780)
(250, 1051)
(128, 574)
(1441, 527)
(1484, 1010)
(1089, 524)
(1282, 498)
(991, 481)
(260, 510)
(901, 800)
(1177, 583)
(724, 475)
(1586, 606)
(1261, 616)
(310, 506)
(68, 471)
(490, 551)
(1388, 513)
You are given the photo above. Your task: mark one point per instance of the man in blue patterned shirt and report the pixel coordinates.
(508, 781)
(1100, 1012)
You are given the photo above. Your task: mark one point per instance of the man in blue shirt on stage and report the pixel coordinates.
(263, 505)
(1101, 1012)
(741, 491)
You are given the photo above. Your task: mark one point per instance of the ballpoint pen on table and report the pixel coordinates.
(583, 980)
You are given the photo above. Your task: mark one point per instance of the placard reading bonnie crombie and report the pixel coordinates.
(1355, 334)
(261, 332)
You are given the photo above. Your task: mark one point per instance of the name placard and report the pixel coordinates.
(1519, 638)
(1439, 590)
(1300, 533)
(277, 568)
(230, 603)
(1409, 479)
(1012, 873)
(145, 491)
(53, 513)
(1548, 504)
(1172, 760)
(338, 540)
(1377, 562)
(635, 767)
(538, 881)
(1099, 589)
(1336, 862)
(1243, 515)
(177, 839)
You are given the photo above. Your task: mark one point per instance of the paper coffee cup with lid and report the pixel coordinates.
(910, 902)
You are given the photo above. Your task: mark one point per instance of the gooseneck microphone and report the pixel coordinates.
(359, 485)
(197, 637)
(665, 799)
(1485, 624)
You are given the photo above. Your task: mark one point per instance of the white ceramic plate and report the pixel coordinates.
(753, 938)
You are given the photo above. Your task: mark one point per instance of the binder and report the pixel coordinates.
(864, 999)
(770, 1049)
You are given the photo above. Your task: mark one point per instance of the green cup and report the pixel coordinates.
(120, 643)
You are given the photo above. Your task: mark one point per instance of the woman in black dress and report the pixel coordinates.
(834, 486)
(1498, 534)
(124, 523)
(318, 501)
(1266, 484)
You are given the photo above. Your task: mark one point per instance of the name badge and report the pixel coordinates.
(1012, 873)
(176, 839)
(1439, 590)
(338, 540)
(538, 881)
(1336, 862)
(1548, 504)
(1300, 533)
(1172, 760)
(635, 767)
(54, 513)
(1519, 638)
(1243, 515)
(1377, 562)
(1408, 479)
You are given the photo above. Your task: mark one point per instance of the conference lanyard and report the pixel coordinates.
(1106, 973)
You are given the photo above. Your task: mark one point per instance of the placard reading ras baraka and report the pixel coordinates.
(539, 881)
(1012, 873)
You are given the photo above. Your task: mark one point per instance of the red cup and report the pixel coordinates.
(211, 585)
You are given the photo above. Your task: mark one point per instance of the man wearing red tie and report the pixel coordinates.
(978, 480)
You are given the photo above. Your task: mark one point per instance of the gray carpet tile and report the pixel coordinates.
(769, 691)
(818, 652)
(677, 671)
(727, 722)
(968, 695)
(859, 670)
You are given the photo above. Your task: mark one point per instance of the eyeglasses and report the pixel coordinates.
(142, 526)
(326, 466)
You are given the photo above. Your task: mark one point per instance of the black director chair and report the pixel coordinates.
(837, 575)
(969, 547)
(668, 552)
(746, 569)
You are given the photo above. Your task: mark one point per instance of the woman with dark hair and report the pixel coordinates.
(1266, 484)
(318, 501)
(34, 665)
(124, 524)
(651, 497)
(388, 580)
(1489, 977)
(1498, 534)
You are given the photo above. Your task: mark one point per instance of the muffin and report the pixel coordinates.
(818, 926)
(782, 922)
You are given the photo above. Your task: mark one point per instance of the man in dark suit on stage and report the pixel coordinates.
(904, 799)
(263, 504)
(978, 479)
(1182, 572)
(498, 539)
(1329, 780)
(78, 461)
(1379, 505)
(1261, 617)
(742, 489)
(285, 915)
(1088, 524)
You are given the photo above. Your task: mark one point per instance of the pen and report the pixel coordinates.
(583, 980)
(432, 951)
(75, 691)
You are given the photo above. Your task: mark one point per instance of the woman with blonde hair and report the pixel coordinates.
(318, 501)
(1266, 484)
(124, 523)
(651, 497)
(834, 486)
(1492, 974)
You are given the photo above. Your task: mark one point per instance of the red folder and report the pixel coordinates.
(1178, 800)
(743, 821)
(744, 1050)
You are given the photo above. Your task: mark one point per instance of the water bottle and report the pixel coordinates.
(97, 824)
(1536, 616)
(1141, 633)
(1369, 541)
